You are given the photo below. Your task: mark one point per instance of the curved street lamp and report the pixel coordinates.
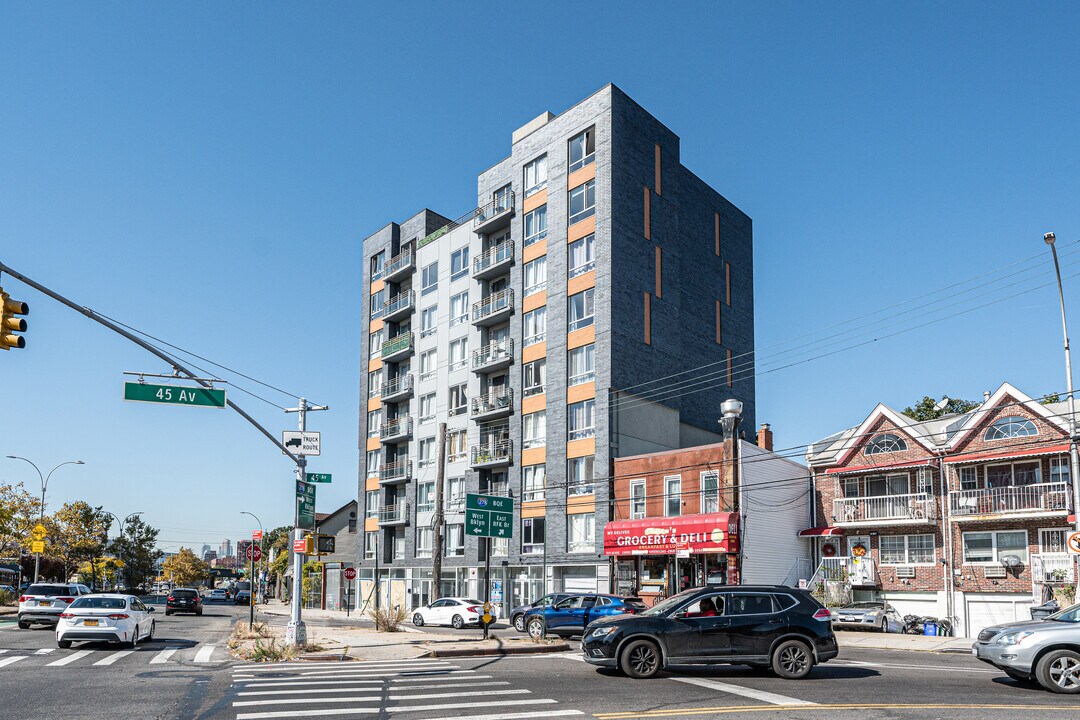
(44, 484)
(121, 523)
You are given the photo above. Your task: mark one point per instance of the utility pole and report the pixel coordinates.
(437, 525)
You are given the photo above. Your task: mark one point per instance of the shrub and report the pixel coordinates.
(7, 598)
(388, 619)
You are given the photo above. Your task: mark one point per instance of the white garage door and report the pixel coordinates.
(579, 580)
(915, 606)
(984, 613)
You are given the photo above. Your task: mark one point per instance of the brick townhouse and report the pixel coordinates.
(964, 516)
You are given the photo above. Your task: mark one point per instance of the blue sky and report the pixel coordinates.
(206, 173)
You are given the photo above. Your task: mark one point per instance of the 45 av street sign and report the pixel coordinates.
(174, 395)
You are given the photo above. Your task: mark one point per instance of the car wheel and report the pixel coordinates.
(168, 613)
(63, 644)
(150, 637)
(792, 660)
(199, 612)
(537, 628)
(1057, 671)
(884, 625)
(519, 623)
(640, 659)
(24, 625)
(418, 620)
(457, 622)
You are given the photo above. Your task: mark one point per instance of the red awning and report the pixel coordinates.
(872, 468)
(821, 532)
(705, 533)
(1051, 450)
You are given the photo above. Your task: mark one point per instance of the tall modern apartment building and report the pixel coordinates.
(597, 303)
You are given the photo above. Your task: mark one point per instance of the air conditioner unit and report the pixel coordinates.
(994, 571)
(905, 571)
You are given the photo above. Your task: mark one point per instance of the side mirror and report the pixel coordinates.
(151, 609)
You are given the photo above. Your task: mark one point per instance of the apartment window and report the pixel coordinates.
(1013, 426)
(536, 175)
(496, 483)
(429, 321)
(426, 454)
(581, 419)
(990, 547)
(581, 257)
(371, 504)
(1021, 473)
(427, 408)
(710, 491)
(1059, 469)
(429, 278)
(352, 523)
(579, 476)
(375, 343)
(582, 202)
(580, 365)
(374, 462)
(532, 482)
(371, 544)
(458, 399)
(535, 326)
(535, 225)
(885, 443)
(455, 494)
(459, 263)
(459, 308)
(969, 478)
(637, 499)
(580, 310)
(534, 429)
(456, 449)
(532, 536)
(906, 549)
(582, 149)
(378, 261)
(425, 497)
(536, 275)
(533, 376)
(374, 423)
(378, 299)
(500, 547)
(459, 351)
(429, 362)
(455, 540)
(924, 481)
(581, 533)
(673, 495)
(503, 198)
(425, 541)
(374, 383)
(399, 547)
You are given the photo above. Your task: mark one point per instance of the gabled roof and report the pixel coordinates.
(975, 418)
(917, 431)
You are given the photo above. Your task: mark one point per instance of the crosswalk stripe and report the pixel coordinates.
(370, 664)
(44, 651)
(323, 712)
(12, 659)
(113, 657)
(316, 681)
(514, 716)
(70, 658)
(3, 650)
(204, 654)
(163, 656)
(768, 697)
(377, 698)
(382, 673)
(310, 691)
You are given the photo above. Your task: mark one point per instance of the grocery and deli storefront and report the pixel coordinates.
(657, 557)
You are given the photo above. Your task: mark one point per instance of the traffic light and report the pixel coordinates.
(9, 324)
(326, 544)
(309, 545)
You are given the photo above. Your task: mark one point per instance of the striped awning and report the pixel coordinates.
(821, 531)
(1028, 452)
(878, 468)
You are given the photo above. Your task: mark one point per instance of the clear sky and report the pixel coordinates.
(206, 172)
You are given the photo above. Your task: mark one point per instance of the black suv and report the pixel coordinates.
(760, 626)
(183, 600)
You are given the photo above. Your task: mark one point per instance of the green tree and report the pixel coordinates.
(184, 568)
(927, 408)
(77, 534)
(19, 513)
(137, 548)
(1051, 398)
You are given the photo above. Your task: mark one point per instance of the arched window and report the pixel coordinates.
(1012, 426)
(885, 443)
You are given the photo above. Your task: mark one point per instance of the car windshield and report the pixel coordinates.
(184, 593)
(48, 590)
(672, 602)
(1069, 615)
(866, 606)
(98, 603)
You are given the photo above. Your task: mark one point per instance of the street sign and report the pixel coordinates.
(1073, 543)
(350, 573)
(305, 501)
(254, 553)
(39, 532)
(489, 516)
(317, 477)
(37, 546)
(300, 443)
(256, 535)
(299, 546)
(174, 395)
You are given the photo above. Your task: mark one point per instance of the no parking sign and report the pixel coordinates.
(1073, 543)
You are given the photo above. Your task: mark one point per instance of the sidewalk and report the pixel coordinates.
(918, 643)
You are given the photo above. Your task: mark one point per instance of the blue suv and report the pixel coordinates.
(571, 615)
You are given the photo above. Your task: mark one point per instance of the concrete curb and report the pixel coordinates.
(490, 651)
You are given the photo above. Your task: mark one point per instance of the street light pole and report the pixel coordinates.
(731, 411)
(121, 523)
(44, 484)
(251, 595)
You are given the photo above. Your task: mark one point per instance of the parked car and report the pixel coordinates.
(110, 618)
(873, 615)
(517, 615)
(43, 602)
(571, 615)
(183, 600)
(218, 595)
(760, 626)
(1047, 651)
(243, 597)
(455, 611)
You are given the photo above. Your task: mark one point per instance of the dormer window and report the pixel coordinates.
(1013, 426)
(885, 443)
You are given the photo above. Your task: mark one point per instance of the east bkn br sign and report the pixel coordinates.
(174, 395)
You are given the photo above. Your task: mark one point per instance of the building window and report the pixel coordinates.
(710, 491)
(885, 443)
(673, 495)
(378, 299)
(579, 476)
(459, 308)
(1013, 426)
(429, 321)
(580, 313)
(371, 504)
(969, 478)
(535, 175)
(535, 326)
(426, 454)
(459, 352)
(374, 423)
(532, 536)
(851, 487)
(637, 499)
(399, 547)
(1059, 469)
(990, 547)
(495, 483)
(535, 225)
(427, 409)
(374, 383)
(455, 540)
(536, 275)
(532, 482)
(459, 263)
(581, 533)
(425, 497)
(582, 202)
(534, 374)
(534, 429)
(425, 540)
(352, 523)
(374, 462)
(375, 343)
(906, 549)
(582, 149)
(500, 547)
(503, 198)
(581, 419)
(581, 257)
(455, 441)
(371, 544)
(455, 494)
(1021, 473)
(430, 278)
(581, 365)
(378, 260)
(458, 399)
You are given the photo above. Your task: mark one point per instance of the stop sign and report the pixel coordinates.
(350, 573)
(254, 553)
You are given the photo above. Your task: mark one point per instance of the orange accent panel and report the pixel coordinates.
(648, 319)
(533, 403)
(377, 286)
(717, 223)
(578, 504)
(577, 393)
(658, 169)
(372, 483)
(376, 325)
(659, 273)
(374, 403)
(581, 448)
(581, 282)
(584, 336)
(719, 325)
(373, 444)
(534, 251)
(581, 176)
(533, 456)
(374, 364)
(534, 352)
(531, 302)
(580, 229)
(371, 524)
(534, 201)
(647, 229)
(727, 281)
(533, 509)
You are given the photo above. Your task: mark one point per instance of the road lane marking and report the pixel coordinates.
(44, 651)
(369, 690)
(932, 668)
(70, 658)
(751, 693)
(315, 681)
(323, 712)
(728, 709)
(12, 659)
(113, 657)
(378, 698)
(163, 656)
(514, 716)
(379, 673)
(3, 650)
(368, 665)
(204, 654)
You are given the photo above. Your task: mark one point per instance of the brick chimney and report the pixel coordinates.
(764, 437)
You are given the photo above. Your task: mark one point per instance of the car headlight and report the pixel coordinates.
(602, 631)
(1013, 638)
(873, 613)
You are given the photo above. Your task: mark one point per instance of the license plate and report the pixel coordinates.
(975, 650)
(44, 603)
(90, 623)
(847, 618)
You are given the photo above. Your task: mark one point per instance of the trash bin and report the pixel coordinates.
(1040, 612)
(929, 628)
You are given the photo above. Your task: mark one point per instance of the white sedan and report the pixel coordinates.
(457, 612)
(106, 618)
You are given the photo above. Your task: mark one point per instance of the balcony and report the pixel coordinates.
(396, 472)
(493, 356)
(842, 572)
(400, 266)
(494, 308)
(909, 509)
(1010, 501)
(495, 403)
(394, 514)
(495, 215)
(494, 262)
(400, 306)
(491, 454)
(1052, 568)
(398, 347)
(398, 389)
(397, 430)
